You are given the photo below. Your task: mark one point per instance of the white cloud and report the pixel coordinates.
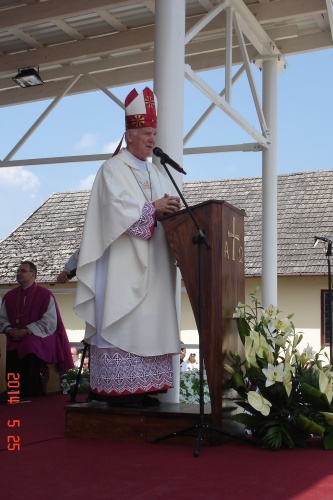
(110, 147)
(18, 177)
(87, 141)
(87, 182)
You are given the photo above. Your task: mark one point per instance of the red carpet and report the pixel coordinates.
(54, 467)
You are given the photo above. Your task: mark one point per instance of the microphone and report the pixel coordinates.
(166, 159)
(321, 238)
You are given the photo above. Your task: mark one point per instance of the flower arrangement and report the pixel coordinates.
(287, 395)
(68, 381)
(189, 390)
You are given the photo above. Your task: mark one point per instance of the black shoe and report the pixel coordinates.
(128, 401)
(92, 396)
(149, 401)
(134, 404)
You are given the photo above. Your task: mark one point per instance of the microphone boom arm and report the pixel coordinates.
(201, 232)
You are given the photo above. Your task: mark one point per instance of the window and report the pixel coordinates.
(325, 324)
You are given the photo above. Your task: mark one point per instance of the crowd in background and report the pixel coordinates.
(189, 363)
(77, 356)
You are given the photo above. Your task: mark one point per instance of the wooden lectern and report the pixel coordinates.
(222, 277)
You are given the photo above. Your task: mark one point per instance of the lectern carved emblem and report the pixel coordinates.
(237, 250)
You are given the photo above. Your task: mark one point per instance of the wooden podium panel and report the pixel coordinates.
(222, 278)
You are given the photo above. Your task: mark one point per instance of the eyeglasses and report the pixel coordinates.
(23, 271)
(192, 354)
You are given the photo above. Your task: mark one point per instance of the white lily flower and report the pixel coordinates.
(282, 324)
(281, 340)
(273, 374)
(308, 353)
(271, 311)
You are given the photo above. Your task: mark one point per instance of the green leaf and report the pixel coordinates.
(314, 397)
(286, 437)
(272, 438)
(243, 329)
(250, 421)
(255, 374)
(328, 441)
(237, 381)
(309, 426)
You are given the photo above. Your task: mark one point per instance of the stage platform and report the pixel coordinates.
(99, 421)
(64, 466)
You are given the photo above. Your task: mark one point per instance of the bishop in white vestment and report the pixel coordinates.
(126, 272)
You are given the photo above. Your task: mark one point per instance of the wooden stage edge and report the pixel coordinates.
(97, 420)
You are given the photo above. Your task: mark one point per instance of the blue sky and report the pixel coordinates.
(92, 124)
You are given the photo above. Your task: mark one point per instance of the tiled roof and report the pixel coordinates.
(50, 235)
(304, 210)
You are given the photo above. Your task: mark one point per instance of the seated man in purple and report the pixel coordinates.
(30, 318)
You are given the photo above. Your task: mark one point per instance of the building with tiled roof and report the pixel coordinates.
(51, 234)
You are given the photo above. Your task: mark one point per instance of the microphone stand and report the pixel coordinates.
(201, 426)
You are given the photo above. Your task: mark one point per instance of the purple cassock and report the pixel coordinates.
(25, 307)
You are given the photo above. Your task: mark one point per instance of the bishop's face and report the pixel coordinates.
(141, 142)
(24, 276)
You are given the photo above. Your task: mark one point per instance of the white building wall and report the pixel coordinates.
(299, 295)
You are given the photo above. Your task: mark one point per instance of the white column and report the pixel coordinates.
(269, 186)
(169, 62)
(169, 77)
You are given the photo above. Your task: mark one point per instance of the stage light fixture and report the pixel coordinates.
(28, 77)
